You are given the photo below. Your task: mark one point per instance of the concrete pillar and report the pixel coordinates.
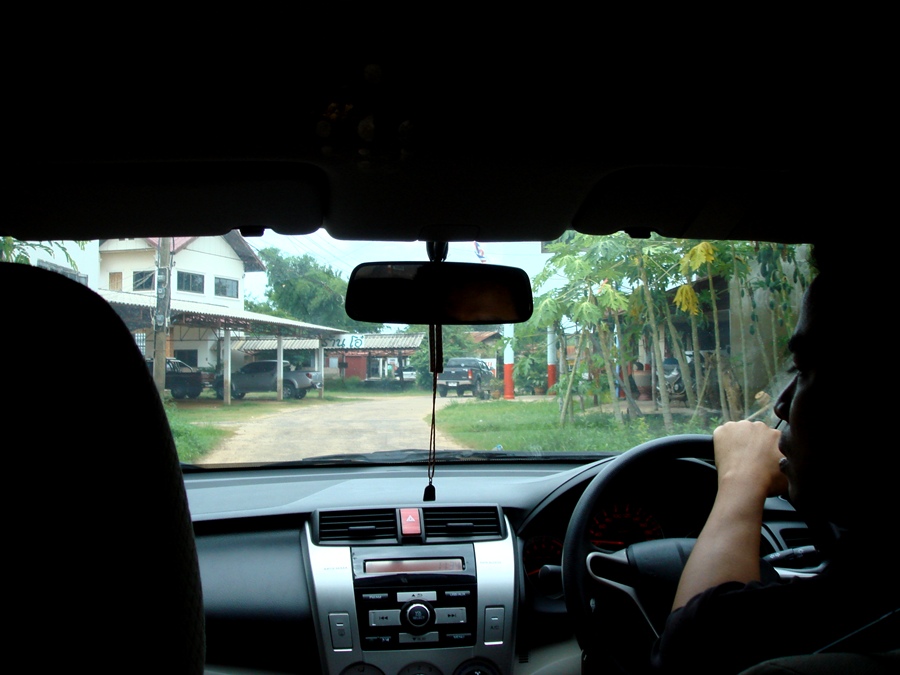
(320, 366)
(279, 370)
(552, 357)
(509, 390)
(226, 367)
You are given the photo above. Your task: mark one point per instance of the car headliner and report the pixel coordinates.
(431, 146)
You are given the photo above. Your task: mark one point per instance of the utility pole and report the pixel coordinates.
(161, 315)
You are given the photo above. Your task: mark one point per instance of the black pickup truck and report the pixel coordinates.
(182, 380)
(465, 374)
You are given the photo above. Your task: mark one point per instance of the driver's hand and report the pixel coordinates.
(727, 548)
(747, 456)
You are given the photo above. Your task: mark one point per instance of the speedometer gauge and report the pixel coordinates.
(621, 525)
(540, 551)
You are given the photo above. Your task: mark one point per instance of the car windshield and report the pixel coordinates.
(630, 339)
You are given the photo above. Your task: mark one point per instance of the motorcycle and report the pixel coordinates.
(674, 382)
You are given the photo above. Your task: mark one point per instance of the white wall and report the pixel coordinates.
(126, 256)
(211, 257)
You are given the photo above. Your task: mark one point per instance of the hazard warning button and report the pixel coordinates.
(411, 522)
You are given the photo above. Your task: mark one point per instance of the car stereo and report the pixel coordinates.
(442, 608)
(426, 598)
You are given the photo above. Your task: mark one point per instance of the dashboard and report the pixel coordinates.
(346, 570)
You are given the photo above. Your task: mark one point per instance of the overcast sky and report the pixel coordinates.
(343, 256)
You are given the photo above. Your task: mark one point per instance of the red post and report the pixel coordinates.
(552, 357)
(509, 389)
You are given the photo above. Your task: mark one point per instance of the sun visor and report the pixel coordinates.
(97, 200)
(705, 203)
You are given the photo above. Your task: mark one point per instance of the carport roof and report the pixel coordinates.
(137, 310)
(346, 342)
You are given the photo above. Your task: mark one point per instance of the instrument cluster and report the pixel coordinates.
(656, 507)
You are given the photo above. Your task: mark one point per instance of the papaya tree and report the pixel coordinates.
(641, 251)
(590, 268)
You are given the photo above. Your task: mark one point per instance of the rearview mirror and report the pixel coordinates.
(438, 293)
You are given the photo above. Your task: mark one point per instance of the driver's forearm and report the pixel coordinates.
(728, 546)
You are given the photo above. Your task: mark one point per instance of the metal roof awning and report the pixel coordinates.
(137, 312)
(261, 344)
(348, 343)
(373, 341)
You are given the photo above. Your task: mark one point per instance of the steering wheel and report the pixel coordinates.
(618, 602)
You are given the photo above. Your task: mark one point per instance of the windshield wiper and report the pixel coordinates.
(412, 458)
(449, 456)
(377, 457)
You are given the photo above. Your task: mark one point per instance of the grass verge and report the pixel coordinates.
(534, 427)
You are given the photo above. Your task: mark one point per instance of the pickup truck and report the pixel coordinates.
(465, 374)
(261, 376)
(181, 379)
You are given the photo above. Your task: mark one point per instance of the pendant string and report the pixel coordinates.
(436, 354)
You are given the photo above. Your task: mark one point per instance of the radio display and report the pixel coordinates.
(414, 565)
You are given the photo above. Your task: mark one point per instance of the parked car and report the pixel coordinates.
(182, 380)
(348, 551)
(262, 376)
(465, 374)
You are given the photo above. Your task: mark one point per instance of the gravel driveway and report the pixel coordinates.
(402, 422)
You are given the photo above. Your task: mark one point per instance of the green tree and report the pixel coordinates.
(18, 251)
(704, 257)
(530, 362)
(644, 253)
(303, 289)
(593, 268)
(265, 307)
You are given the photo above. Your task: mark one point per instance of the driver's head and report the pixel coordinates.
(841, 464)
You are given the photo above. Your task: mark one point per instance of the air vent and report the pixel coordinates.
(362, 525)
(468, 522)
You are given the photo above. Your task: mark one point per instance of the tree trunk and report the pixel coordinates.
(668, 422)
(764, 354)
(678, 351)
(736, 282)
(723, 402)
(602, 342)
(733, 390)
(567, 401)
(634, 410)
(698, 370)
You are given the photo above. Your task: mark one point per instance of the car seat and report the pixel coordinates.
(102, 572)
(843, 663)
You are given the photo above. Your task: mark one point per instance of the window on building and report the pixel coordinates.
(190, 282)
(143, 281)
(115, 281)
(140, 339)
(226, 288)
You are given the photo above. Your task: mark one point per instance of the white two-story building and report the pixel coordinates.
(206, 303)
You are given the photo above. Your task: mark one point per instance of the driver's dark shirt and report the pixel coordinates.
(731, 627)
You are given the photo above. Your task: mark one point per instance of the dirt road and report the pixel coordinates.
(383, 423)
